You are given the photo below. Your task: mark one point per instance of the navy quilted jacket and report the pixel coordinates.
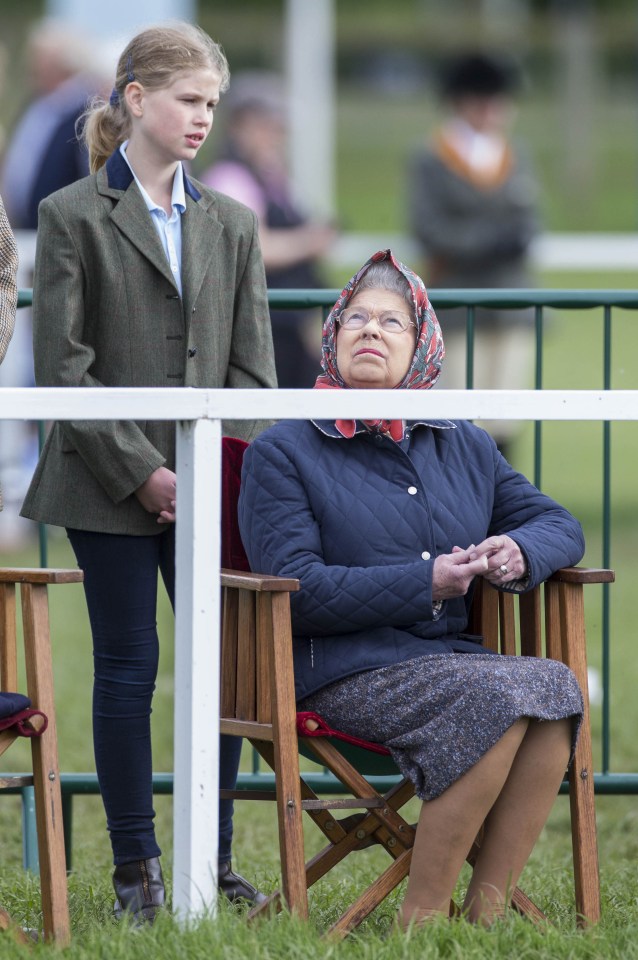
(360, 521)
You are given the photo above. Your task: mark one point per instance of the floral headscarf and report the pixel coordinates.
(428, 354)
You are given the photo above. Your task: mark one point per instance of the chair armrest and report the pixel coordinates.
(39, 575)
(258, 582)
(583, 575)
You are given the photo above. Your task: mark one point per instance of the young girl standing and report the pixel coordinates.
(144, 278)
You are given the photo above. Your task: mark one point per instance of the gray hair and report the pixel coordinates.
(383, 276)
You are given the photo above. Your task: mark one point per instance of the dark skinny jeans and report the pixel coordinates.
(120, 584)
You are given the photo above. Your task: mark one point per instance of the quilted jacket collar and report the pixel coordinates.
(329, 427)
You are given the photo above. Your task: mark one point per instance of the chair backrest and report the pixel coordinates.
(233, 553)
(255, 613)
(257, 681)
(493, 616)
(539, 628)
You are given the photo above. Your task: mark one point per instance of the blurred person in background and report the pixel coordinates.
(8, 286)
(43, 152)
(252, 168)
(65, 68)
(472, 202)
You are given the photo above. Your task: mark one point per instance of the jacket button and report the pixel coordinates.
(425, 555)
(192, 352)
(412, 491)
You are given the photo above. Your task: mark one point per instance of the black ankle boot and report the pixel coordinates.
(235, 887)
(139, 888)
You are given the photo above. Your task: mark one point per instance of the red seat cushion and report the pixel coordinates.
(23, 721)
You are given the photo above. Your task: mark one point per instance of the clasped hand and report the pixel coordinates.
(158, 493)
(497, 559)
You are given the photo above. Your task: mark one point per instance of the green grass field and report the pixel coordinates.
(375, 135)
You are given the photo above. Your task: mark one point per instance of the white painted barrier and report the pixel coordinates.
(198, 414)
(187, 403)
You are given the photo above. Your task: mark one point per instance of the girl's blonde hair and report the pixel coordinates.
(154, 57)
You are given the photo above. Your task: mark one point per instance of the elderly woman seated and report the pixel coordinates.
(387, 524)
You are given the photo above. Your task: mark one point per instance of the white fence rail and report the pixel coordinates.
(198, 415)
(186, 403)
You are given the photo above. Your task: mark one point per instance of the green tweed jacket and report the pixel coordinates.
(106, 312)
(8, 287)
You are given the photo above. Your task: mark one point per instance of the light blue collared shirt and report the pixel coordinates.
(169, 229)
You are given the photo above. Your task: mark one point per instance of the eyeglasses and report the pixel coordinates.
(390, 321)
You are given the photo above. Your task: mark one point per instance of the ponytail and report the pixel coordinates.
(103, 128)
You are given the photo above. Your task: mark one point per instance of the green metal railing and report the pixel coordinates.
(540, 301)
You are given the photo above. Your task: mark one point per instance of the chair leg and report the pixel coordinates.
(289, 813)
(46, 771)
(581, 775)
(373, 896)
(584, 842)
(286, 758)
(7, 925)
(374, 824)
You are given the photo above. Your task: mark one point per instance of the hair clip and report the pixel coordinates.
(129, 69)
(114, 99)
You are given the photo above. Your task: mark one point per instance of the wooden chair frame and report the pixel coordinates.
(257, 702)
(44, 750)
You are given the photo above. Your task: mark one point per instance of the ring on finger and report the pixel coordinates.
(503, 569)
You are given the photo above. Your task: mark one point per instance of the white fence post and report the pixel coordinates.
(197, 612)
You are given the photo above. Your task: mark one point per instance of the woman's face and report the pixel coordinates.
(261, 138)
(370, 357)
(487, 114)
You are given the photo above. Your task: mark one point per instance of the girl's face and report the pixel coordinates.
(171, 123)
(371, 357)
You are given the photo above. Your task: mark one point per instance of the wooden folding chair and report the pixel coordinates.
(46, 773)
(257, 702)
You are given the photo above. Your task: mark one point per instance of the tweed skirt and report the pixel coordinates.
(439, 714)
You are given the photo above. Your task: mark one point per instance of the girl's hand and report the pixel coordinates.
(158, 494)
